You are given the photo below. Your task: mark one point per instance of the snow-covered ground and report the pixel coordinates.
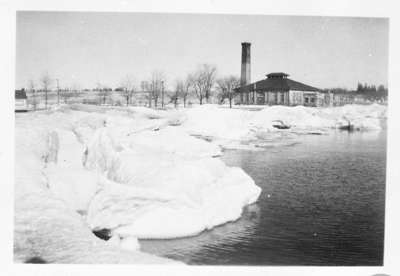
(231, 127)
(142, 173)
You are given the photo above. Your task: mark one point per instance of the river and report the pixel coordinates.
(322, 203)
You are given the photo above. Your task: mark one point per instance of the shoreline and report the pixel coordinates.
(159, 137)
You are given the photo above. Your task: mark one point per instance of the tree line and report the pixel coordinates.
(367, 90)
(202, 83)
(371, 89)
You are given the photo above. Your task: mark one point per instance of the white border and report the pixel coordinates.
(366, 8)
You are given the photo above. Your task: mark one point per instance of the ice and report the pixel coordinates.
(143, 173)
(46, 228)
(130, 243)
(66, 176)
(167, 192)
(210, 120)
(139, 175)
(176, 201)
(231, 127)
(179, 142)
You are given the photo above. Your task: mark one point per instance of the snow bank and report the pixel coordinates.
(174, 140)
(66, 176)
(46, 227)
(174, 206)
(135, 172)
(164, 193)
(211, 120)
(141, 173)
(230, 127)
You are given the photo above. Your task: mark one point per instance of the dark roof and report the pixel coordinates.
(276, 82)
(277, 75)
(20, 94)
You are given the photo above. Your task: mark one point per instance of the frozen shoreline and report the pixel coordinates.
(141, 173)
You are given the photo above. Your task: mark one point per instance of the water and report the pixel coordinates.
(322, 203)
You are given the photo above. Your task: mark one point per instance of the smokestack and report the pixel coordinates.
(245, 71)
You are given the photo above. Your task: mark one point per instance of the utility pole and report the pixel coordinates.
(162, 94)
(58, 93)
(127, 96)
(151, 94)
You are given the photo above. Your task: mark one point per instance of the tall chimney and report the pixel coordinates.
(245, 71)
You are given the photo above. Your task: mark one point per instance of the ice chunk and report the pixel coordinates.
(174, 140)
(169, 208)
(130, 243)
(154, 192)
(225, 127)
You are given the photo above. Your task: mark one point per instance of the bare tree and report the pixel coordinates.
(58, 91)
(187, 85)
(182, 91)
(66, 94)
(103, 92)
(71, 92)
(209, 72)
(46, 82)
(157, 86)
(197, 82)
(162, 93)
(202, 81)
(177, 92)
(145, 87)
(31, 87)
(225, 87)
(127, 84)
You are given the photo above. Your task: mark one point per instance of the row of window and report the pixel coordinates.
(309, 100)
(277, 98)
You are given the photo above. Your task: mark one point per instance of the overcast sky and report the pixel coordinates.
(86, 48)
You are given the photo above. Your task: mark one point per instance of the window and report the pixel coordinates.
(312, 100)
(306, 99)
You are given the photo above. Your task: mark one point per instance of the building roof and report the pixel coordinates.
(276, 82)
(20, 94)
(277, 75)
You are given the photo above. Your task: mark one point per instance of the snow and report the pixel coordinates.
(176, 200)
(166, 192)
(45, 226)
(130, 243)
(143, 173)
(231, 127)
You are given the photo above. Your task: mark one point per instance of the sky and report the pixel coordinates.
(86, 48)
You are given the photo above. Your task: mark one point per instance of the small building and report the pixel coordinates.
(21, 101)
(278, 89)
(343, 98)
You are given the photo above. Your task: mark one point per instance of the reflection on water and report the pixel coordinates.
(322, 204)
(222, 238)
